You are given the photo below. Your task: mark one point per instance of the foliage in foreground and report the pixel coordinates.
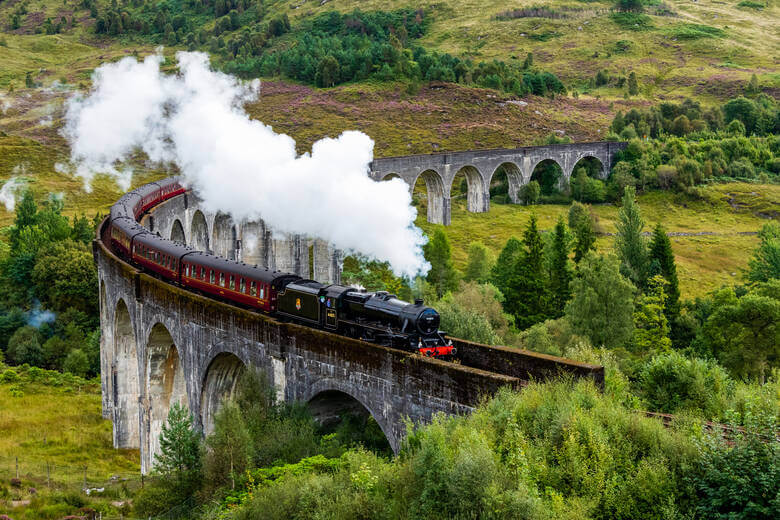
(557, 450)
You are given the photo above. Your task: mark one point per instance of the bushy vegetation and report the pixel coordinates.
(49, 314)
(333, 48)
(556, 450)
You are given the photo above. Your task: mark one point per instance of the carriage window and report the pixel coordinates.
(222, 279)
(211, 276)
(262, 293)
(253, 288)
(232, 283)
(203, 273)
(242, 286)
(157, 256)
(186, 269)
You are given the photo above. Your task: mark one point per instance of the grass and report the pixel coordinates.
(705, 261)
(56, 420)
(692, 31)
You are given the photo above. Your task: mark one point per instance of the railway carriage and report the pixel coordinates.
(158, 255)
(376, 317)
(247, 285)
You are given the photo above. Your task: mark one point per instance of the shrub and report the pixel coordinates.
(9, 375)
(739, 482)
(741, 168)
(673, 383)
(632, 21)
(529, 194)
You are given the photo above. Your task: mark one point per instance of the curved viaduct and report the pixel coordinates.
(480, 166)
(161, 344)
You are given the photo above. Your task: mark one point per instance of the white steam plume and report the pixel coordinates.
(240, 166)
(10, 189)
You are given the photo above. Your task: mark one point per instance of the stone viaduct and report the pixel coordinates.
(161, 344)
(479, 166)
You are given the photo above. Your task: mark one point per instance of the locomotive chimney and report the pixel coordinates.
(418, 301)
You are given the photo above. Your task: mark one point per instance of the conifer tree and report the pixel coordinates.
(26, 215)
(629, 242)
(439, 253)
(561, 273)
(633, 85)
(179, 460)
(582, 227)
(505, 265)
(527, 294)
(662, 258)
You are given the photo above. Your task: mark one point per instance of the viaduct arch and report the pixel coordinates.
(161, 345)
(439, 171)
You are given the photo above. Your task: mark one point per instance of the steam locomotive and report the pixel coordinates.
(377, 317)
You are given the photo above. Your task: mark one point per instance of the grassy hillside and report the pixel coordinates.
(714, 238)
(707, 48)
(55, 419)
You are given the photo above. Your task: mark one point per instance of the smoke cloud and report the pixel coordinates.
(10, 189)
(196, 120)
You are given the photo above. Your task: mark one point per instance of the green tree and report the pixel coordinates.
(633, 85)
(529, 193)
(630, 245)
(662, 254)
(765, 263)
(633, 6)
(742, 109)
(529, 61)
(602, 303)
(26, 213)
(753, 87)
(327, 72)
(55, 351)
(747, 332)
(618, 123)
(527, 296)
(229, 447)
(561, 273)
(479, 264)
(438, 252)
(64, 277)
(505, 265)
(25, 347)
(581, 225)
(76, 363)
(651, 329)
(179, 461)
(10, 321)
